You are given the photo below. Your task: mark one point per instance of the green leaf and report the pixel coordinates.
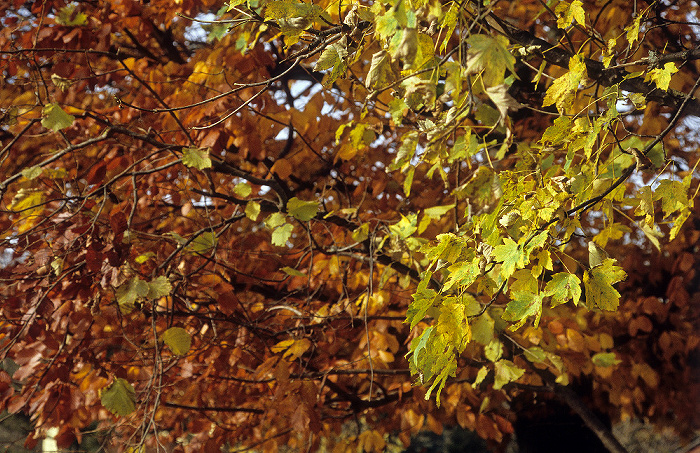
(128, 293)
(252, 210)
(483, 329)
(119, 397)
(510, 255)
(489, 54)
(535, 354)
(662, 76)
(463, 273)
(563, 287)
(281, 234)
(598, 283)
(523, 305)
(293, 272)
(673, 196)
(302, 210)
(334, 56)
(178, 340)
(423, 300)
(203, 243)
(605, 359)
(159, 287)
(196, 158)
(242, 189)
(55, 118)
(506, 371)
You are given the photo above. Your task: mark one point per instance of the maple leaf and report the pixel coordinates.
(510, 255)
(569, 12)
(562, 91)
(662, 76)
(334, 56)
(673, 196)
(563, 287)
(489, 54)
(503, 101)
(523, 305)
(598, 283)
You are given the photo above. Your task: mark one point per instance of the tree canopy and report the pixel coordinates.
(246, 224)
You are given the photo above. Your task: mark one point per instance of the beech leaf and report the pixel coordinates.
(119, 397)
(178, 340)
(302, 210)
(196, 158)
(55, 118)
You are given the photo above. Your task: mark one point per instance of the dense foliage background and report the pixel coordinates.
(331, 225)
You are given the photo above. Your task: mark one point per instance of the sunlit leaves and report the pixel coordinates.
(490, 55)
(380, 71)
(69, 17)
(196, 158)
(281, 234)
(563, 287)
(293, 348)
(119, 397)
(55, 118)
(633, 30)
(506, 372)
(511, 256)
(28, 203)
(178, 340)
(562, 91)
(569, 12)
(523, 305)
(135, 289)
(333, 57)
(662, 76)
(203, 242)
(32, 172)
(242, 189)
(598, 283)
(302, 210)
(252, 210)
(673, 196)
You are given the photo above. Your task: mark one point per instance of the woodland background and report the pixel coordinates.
(330, 226)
